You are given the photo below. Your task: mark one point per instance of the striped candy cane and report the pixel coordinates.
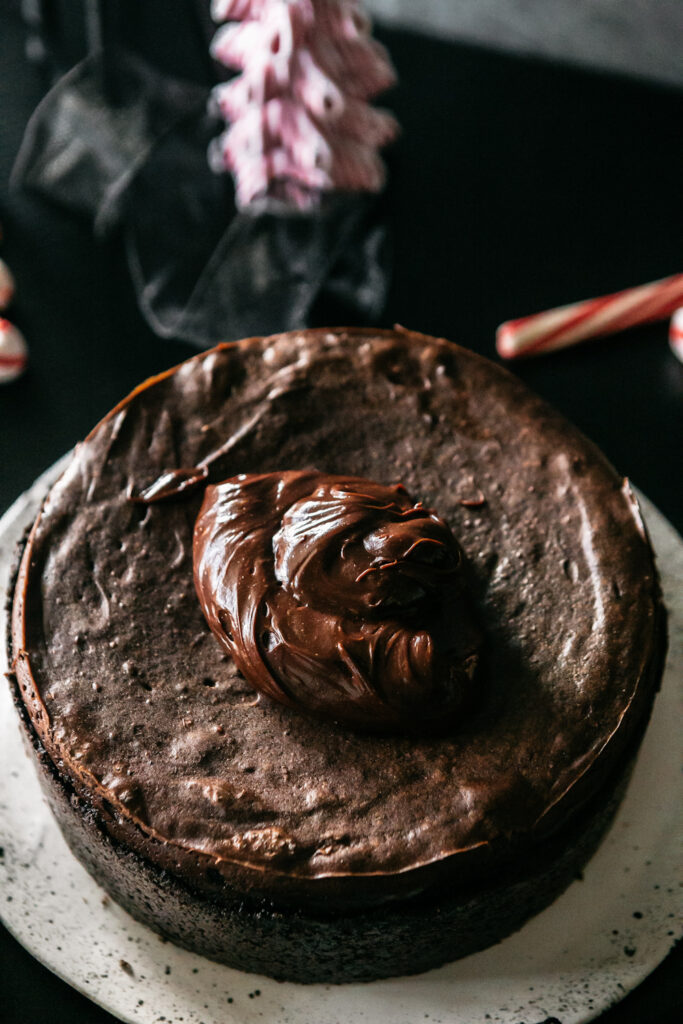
(567, 325)
(6, 285)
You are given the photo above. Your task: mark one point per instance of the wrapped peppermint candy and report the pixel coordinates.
(6, 285)
(300, 123)
(676, 334)
(13, 347)
(13, 352)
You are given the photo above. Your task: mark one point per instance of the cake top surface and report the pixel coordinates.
(131, 692)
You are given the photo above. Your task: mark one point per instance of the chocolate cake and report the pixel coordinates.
(387, 711)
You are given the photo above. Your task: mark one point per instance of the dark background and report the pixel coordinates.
(517, 185)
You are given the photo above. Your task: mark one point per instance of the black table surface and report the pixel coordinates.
(517, 185)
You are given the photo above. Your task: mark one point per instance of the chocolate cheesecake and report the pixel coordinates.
(386, 709)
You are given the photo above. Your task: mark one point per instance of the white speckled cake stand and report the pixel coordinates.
(594, 944)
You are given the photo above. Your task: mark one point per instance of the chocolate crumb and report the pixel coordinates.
(476, 501)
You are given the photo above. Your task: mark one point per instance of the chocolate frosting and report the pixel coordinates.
(339, 596)
(147, 714)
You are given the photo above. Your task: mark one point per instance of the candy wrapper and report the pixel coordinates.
(122, 142)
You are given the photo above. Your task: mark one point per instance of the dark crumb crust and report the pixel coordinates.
(403, 938)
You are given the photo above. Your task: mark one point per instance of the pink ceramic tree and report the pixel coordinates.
(299, 119)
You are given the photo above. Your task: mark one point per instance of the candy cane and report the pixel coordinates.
(567, 325)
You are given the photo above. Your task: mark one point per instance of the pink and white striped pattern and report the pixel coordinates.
(676, 334)
(299, 121)
(567, 325)
(13, 352)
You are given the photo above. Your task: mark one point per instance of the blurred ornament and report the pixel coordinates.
(676, 334)
(13, 352)
(7, 286)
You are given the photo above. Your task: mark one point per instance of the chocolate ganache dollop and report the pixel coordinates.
(338, 596)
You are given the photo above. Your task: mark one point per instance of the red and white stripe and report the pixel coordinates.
(298, 112)
(567, 325)
(676, 334)
(13, 352)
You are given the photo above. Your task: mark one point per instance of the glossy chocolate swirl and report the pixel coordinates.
(339, 596)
